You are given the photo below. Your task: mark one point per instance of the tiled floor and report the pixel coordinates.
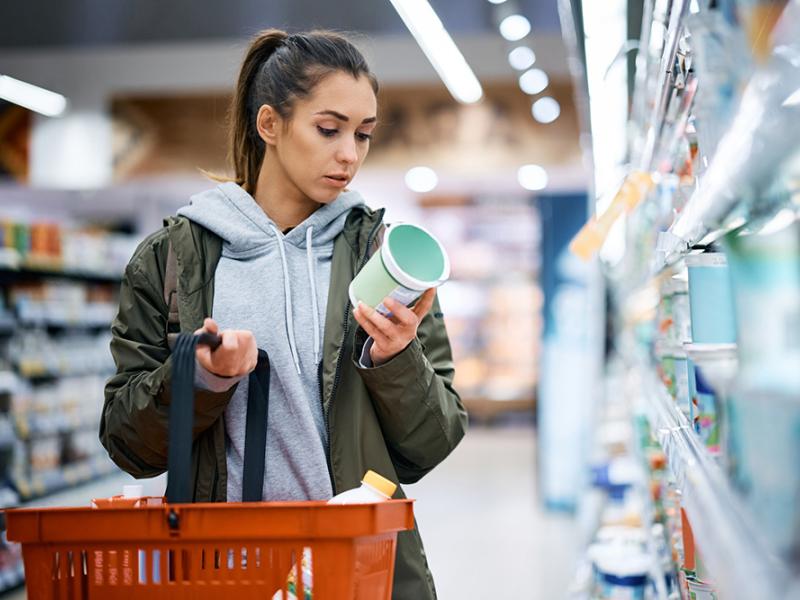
(484, 532)
(485, 535)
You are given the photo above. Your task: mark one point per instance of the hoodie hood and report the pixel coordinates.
(246, 230)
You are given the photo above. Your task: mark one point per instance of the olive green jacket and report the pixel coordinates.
(400, 419)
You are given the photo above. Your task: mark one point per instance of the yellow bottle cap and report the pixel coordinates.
(383, 485)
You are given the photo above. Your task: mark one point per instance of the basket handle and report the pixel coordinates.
(181, 421)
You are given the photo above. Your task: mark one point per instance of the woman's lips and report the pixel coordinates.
(340, 183)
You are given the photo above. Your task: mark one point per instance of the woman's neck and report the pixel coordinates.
(280, 199)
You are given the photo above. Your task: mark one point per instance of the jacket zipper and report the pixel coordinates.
(337, 373)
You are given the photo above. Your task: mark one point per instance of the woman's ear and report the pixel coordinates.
(268, 124)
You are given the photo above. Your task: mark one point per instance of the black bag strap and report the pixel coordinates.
(181, 421)
(255, 437)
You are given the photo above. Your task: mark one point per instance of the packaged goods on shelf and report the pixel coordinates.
(54, 247)
(63, 303)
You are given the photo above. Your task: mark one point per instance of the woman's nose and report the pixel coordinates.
(347, 153)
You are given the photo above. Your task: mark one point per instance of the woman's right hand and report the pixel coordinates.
(237, 355)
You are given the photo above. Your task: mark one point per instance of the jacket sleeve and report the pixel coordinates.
(420, 413)
(133, 426)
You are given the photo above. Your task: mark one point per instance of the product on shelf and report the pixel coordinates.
(53, 247)
(710, 299)
(765, 275)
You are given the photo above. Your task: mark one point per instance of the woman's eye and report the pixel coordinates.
(364, 137)
(327, 132)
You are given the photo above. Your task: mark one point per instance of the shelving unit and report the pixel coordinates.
(712, 149)
(54, 324)
(736, 552)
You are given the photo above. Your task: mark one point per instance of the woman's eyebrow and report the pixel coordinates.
(345, 118)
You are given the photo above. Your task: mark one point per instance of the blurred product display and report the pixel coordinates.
(492, 304)
(59, 295)
(702, 372)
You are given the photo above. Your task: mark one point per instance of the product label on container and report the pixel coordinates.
(403, 295)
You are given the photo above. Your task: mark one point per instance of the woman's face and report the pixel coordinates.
(327, 137)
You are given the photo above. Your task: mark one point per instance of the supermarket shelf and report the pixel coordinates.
(741, 561)
(42, 375)
(58, 479)
(31, 426)
(9, 273)
(60, 325)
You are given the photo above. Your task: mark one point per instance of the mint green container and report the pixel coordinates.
(410, 261)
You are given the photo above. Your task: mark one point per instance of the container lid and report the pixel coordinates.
(414, 257)
(707, 259)
(620, 560)
(383, 485)
(711, 352)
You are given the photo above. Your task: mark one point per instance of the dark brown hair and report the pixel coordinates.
(278, 69)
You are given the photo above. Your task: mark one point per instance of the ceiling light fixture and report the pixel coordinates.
(515, 27)
(32, 97)
(442, 52)
(533, 81)
(546, 110)
(521, 58)
(421, 179)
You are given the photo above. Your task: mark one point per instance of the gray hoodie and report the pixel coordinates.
(276, 286)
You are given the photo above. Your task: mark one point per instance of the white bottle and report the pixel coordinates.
(374, 488)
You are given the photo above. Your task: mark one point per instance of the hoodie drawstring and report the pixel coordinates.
(312, 280)
(287, 290)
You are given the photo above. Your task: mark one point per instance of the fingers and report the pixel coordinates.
(404, 315)
(425, 303)
(366, 318)
(210, 325)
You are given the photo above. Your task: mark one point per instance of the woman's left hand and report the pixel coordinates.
(390, 336)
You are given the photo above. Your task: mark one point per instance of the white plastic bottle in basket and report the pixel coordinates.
(374, 488)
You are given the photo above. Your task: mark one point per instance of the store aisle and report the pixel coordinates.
(485, 534)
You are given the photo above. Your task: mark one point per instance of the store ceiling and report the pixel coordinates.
(83, 23)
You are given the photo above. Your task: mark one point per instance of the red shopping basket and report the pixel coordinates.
(126, 548)
(210, 550)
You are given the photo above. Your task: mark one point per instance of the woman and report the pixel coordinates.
(269, 258)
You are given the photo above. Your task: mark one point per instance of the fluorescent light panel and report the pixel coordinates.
(32, 97)
(426, 27)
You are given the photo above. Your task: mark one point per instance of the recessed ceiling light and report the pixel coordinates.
(521, 58)
(421, 179)
(532, 177)
(546, 110)
(515, 27)
(533, 81)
